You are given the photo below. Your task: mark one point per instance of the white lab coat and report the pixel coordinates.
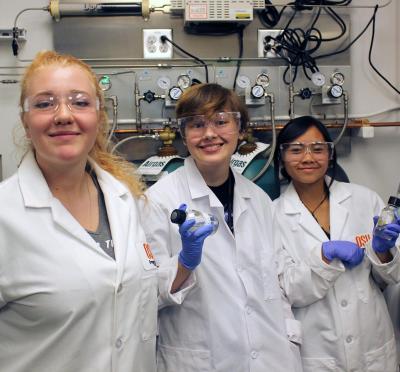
(233, 320)
(65, 305)
(346, 325)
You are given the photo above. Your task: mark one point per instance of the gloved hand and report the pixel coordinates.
(192, 242)
(391, 231)
(347, 252)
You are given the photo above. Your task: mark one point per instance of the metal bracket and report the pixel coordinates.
(7, 34)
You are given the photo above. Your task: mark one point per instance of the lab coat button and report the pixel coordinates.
(248, 310)
(239, 268)
(254, 354)
(344, 303)
(119, 288)
(349, 339)
(118, 343)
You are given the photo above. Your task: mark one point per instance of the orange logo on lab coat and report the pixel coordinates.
(361, 240)
(149, 254)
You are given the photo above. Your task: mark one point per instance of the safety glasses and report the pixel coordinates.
(77, 102)
(221, 123)
(295, 151)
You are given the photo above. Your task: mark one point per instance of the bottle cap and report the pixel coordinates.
(393, 200)
(178, 216)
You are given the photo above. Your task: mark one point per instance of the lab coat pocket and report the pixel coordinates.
(382, 359)
(361, 276)
(271, 286)
(319, 364)
(174, 359)
(149, 293)
(148, 306)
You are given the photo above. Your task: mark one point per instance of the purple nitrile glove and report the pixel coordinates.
(386, 240)
(347, 252)
(192, 242)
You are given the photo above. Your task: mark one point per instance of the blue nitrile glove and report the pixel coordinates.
(192, 242)
(347, 252)
(392, 231)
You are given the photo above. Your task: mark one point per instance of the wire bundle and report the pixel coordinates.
(296, 45)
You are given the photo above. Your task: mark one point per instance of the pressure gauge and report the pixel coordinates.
(164, 82)
(105, 82)
(175, 93)
(318, 79)
(335, 91)
(263, 80)
(257, 91)
(243, 81)
(337, 78)
(184, 81)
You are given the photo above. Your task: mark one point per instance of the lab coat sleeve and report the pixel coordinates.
(387, 272)
(308, 279)
(158, 232)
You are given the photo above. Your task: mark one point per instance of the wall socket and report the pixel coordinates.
(263, 45)
(153, 48)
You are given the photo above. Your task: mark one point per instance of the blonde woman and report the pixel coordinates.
(78, 282)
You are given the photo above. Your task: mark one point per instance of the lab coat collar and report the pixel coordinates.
(292, 205)
(199, 189)
(36, 192)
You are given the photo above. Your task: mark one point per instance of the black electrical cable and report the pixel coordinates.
(370, 53)
(298, 46)
(164, 39)
(239, 61)
(348, 46)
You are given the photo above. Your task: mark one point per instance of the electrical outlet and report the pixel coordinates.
(265, 44)
(153, 47)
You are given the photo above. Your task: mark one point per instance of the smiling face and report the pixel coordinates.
(309, 169)
(65, 134)
(212, 147)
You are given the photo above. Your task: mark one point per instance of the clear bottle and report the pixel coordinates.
(387, 216)
(178, 216)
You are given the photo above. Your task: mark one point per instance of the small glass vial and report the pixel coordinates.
(178, 216)
(387, 216)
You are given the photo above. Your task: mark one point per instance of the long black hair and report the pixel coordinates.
(294, 129)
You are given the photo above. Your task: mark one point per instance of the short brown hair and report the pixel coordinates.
(207, 99)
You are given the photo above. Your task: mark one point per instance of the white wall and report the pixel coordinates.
(372, 162)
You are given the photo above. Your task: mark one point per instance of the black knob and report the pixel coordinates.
(149, 96)
(305, 93)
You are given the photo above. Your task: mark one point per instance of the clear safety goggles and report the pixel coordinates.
(48, 103)
(295, 151)
(221, 123)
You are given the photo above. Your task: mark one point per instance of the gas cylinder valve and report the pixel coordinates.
(149, 96)
(305, 93)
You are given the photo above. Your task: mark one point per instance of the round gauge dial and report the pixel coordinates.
(164, 82)
(335, 91)
(175, 93)
(184, 81)
(318, 79)
(337, 78)
(263, 80)
(243, 81)
(257, 91)
(105, 82)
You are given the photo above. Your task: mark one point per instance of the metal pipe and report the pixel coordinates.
(114, 100)
(154, 136)
(271, 99)
(346, 117)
